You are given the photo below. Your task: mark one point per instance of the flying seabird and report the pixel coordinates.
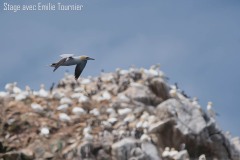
(69, 60)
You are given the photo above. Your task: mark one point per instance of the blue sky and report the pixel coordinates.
(197, 44)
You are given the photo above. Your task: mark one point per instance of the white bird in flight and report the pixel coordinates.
(69, 60)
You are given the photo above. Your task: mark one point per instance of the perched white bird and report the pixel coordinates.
(28, 90)
(129, 118)
(24, 94)
(166, 152)
(110, 110)
(123, 72)
(66, 100)
(3, 94)
(64, 117)
(78, 111)
(148, 73)
(152, 119)
(228, 135)
(145, 138)
(139, 124)
(173, 92)
(106, 77)
(63, 107)
(87, 130)
(20, 96)
(173, 152)
(95, 112)
(145, 124)
(69, 60)
(85, 81)
(42, 92)
(210, 110)
(195, 103)
(57, 94)
(105, 96)
(12, 88)
(16, 90)
(83, 99)
(44, 131)
(78, 89)
(76, 95)
(124, 111)
(106, 124)
(88, 137)
(144, 116)
(202, 157)
(155, 71)
(9, 87)
(37, 107)
(112, 120)
(123, 97)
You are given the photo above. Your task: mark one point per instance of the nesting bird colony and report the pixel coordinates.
(129, 114)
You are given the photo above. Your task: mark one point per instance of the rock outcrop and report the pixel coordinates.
(125, 115)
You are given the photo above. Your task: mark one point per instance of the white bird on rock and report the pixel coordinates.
(69, 60)
(12, 88)
(42, 92)
(16, 90)
(64, 117)
(195, 103)
(78, 111)
(173, 152)
(210, 110)
(166, 152)
(44, 131)
(37, 107)
(202, 157)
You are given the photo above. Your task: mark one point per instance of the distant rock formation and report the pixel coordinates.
(125, 115)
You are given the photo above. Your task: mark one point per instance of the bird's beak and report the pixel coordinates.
(90, 58)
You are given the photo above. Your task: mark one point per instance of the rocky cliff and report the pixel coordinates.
(126, 115)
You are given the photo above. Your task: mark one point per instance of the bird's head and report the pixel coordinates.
(85, 58)
(210, 103)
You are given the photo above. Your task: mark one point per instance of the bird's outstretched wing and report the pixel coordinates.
(79, 68)
(66, 55)
(64, 58)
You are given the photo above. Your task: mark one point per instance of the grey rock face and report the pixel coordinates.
(129, 148)
(189, 116)
(184, 123)
(150, 150)
(122, 150)
(85, 150)
(159, 88)
(142, 93)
